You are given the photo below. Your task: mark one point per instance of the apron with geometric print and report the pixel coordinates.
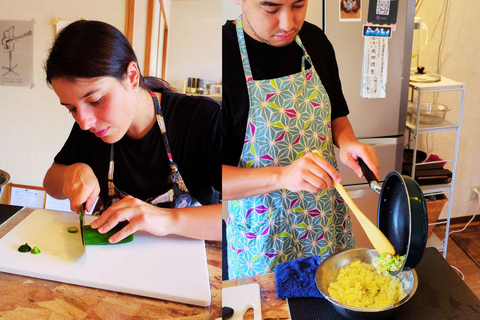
(288, 117)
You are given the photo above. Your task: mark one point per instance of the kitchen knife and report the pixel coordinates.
(82, 231)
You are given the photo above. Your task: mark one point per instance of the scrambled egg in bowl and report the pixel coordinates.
(359, 284)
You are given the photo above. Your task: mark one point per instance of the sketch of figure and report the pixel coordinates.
(8, 43)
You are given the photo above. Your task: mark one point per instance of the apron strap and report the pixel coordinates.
(305, 56)
(243, 50)
(161, 124)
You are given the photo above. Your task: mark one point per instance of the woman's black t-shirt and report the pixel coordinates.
(141, 166)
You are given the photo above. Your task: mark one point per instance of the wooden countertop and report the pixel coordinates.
(31, 298)
(272, 307)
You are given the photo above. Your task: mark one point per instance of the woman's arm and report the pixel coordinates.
(77, 182)
(193, 222)
(54, 181)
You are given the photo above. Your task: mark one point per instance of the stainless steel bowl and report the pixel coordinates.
(328, 270)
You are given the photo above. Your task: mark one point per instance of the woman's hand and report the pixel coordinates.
(140, 216)
(80, 185)
(351, 151)
(310, 173)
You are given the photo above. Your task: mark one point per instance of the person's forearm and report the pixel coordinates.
(238, 183)
(342, 131)
(198, 222)
(53, 181)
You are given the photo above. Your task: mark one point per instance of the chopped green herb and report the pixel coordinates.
(35, 250)
(24, 248)
(386, 262)
(72, 229)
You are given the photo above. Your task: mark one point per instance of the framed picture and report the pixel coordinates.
(350, 10)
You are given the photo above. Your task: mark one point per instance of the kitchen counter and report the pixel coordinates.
(441, 294)
(31, 298)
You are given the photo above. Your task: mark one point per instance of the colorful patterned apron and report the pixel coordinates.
(288, 117)
(177, 197)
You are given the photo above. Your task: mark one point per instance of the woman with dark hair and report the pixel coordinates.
(132, 138)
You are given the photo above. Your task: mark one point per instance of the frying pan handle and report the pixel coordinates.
(370, 176)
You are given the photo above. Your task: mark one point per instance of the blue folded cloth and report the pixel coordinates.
(296, 278)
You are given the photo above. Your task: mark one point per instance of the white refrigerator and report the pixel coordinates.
(376, 121)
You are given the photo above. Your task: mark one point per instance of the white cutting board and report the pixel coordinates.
(171, 268)
(242, 298)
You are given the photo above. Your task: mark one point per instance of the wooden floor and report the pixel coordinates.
(459, 259)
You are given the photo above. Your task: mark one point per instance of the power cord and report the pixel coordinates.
(458, 270)
(473, 217)
(456, 231)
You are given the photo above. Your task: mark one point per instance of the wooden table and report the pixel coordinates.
(30, 298)
(272, 307)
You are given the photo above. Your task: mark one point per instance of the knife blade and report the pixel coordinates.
(82, 231)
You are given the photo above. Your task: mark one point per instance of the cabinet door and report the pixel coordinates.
(147, 31)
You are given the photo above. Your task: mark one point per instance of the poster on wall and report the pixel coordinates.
(16, 56)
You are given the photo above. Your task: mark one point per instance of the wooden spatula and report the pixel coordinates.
(376, 237)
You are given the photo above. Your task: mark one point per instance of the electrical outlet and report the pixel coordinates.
(473, 195)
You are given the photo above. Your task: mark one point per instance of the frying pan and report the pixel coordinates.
(402, 214)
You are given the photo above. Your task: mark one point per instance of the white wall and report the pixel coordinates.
(33, 125)
(195, 42)
(458, 61)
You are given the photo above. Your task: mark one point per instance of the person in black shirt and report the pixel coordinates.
(283, 103)
(150, 154)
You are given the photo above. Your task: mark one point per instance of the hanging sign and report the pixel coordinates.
(375, 62)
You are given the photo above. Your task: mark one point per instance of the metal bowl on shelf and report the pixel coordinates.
(430, 113)
(328, 271)
(4, 178)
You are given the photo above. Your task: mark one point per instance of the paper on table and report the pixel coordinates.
(27, 197)
(56, 204)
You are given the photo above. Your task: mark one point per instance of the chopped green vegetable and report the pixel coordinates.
(386, 262)
(35, 250)
(24, 248)
(93, 237)
(72, 229)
